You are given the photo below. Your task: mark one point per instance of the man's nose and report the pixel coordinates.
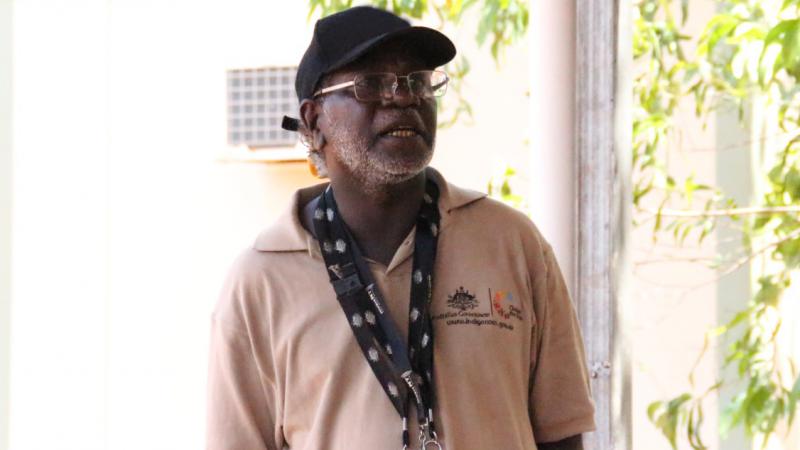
(403, 95)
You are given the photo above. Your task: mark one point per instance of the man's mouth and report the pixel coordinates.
(403, 133)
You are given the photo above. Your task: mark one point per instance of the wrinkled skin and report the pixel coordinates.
(378, 179)
(356, 145)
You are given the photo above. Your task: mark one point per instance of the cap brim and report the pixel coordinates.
(434, 47)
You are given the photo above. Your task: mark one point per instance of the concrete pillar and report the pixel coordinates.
(735, 178)
(580, 188)
(552, 125)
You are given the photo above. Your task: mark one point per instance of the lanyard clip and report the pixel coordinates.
(428, 439)
(427, 435)
(431, 444)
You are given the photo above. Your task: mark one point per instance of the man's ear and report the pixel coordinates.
(309, 115)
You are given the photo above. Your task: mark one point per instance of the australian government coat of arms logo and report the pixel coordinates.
(462, 300)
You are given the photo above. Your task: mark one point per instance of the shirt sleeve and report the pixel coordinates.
(560, 399)
(241, 396)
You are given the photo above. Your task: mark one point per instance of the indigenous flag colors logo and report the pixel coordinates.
(504, 305)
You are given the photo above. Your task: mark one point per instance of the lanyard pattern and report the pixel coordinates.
(405, 371)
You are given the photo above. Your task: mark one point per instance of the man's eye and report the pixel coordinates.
(371, 83)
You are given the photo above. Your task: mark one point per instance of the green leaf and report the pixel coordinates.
(794, 399)
(769, 293)
(487, 23)
(790, 253)
(718, 27)
(455, 7)
(638, 193)
(791, 181)
(652, 408)
(739, 318)
(708, 227)
(796, 389)
(761, 221)
(790, 53)
(776, 175)
(684, 11)
(731, 415)
(787, 49)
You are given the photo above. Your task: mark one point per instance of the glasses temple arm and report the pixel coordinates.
(335, 87)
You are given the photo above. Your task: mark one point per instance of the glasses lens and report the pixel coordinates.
(428, 83)
(375, 86)
(382, 86)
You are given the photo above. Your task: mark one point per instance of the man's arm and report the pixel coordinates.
(240, 414)
(560, 398)
(242, 402)
(570, 443)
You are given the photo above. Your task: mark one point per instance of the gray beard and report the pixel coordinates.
(374, 171)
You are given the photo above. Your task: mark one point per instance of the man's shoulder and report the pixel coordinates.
(494, 209)
(265, 260)
(254, 276)
(249, 264)
(491, 214)
(287, 232)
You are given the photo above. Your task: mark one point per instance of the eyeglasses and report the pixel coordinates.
(372, 87)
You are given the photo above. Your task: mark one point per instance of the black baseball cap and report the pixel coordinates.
(342, 38)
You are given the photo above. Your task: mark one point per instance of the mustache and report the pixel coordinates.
(403, 118)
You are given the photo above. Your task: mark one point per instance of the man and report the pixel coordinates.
(390, 309)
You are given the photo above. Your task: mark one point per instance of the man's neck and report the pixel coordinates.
(380, 220)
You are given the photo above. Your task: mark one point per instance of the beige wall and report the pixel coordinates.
(5, 213)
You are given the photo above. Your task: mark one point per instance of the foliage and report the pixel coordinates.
(505, 21)
(748, 54)
(500, 188)
(459, 109)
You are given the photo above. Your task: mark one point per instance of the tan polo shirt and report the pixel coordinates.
(286, 370)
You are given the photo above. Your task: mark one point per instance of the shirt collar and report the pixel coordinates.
(288, 235)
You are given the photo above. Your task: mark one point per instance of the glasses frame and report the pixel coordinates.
(396, 84)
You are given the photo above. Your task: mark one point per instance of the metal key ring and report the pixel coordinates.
(431, 444)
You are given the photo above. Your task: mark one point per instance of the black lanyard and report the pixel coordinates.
(404, 371)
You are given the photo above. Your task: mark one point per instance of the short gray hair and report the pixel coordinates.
(314, 155)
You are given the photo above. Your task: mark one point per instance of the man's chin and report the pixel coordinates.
(382, 179)
(406, 170)
(397, 178)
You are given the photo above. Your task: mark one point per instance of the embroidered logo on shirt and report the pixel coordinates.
(504, 305)
(462, 300)
(466, 308)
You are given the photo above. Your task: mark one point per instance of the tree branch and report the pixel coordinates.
(744, 260)
(725, 212)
